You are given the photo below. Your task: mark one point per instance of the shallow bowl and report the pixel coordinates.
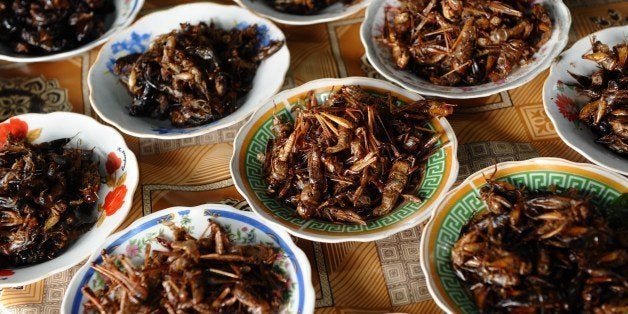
(461, 203)
(124, 13)
(334, 12)
(246, 171)
(110, 98)
(379, 55)
(562, 102)
(242, 227)
(118, 168)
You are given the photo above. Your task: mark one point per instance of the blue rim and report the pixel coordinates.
(207, 212)
(134, 6)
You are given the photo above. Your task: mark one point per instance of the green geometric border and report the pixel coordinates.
(448, 232)
(432, 179)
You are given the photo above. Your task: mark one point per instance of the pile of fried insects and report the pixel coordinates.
(542, 252)
(47, 197)
(464, 42)
(205, 275)
(352, 157)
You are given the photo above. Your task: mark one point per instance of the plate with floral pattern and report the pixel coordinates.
(460, 204)
(562, 102)
(242, 228)
(110, 98)
(119, 178)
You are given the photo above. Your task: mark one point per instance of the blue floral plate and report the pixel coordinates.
(242, 227)
(110, 98)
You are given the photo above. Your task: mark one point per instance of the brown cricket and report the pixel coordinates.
(196, 74)
(40, 27)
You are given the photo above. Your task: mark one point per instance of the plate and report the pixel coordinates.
(562, 103)
(110, 98)
(118, 168)
(459, 205)
(333, 12)
(246, 170)
(379, 55)
(242, 227)
(124, 14)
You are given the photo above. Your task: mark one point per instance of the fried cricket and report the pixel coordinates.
(304, 7)
(606, 114)
(40, 27)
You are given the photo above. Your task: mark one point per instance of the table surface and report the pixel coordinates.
(374, 277)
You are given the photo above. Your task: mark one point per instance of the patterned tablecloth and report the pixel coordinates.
(374, 277)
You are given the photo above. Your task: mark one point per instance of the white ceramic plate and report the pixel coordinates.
(334, 12)
(119, 170)
(562, 103)
(243, 228)
(124, 13)
(246, 171)
(459, 205)
(110, 98)
(379, 55)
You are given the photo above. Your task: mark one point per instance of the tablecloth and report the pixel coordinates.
(374, 277)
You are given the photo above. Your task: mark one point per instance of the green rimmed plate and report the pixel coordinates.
(461, 203)
(246, 170)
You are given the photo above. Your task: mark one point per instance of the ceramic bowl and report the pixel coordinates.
(562, 102)
(334, 12)
(123, 15)
(242, 227)
(379, 55)
(118, 168)
(246, 170)
(110, 98)
(459, 205)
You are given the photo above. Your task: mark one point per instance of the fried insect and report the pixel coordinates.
(47, 192)
(39, 27)
(606, 113)
(304, 7)
(205, 275)
(194, 75)
(541, 252)
(352, 157)
(464, 42)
